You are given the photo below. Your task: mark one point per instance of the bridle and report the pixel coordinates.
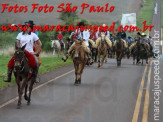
(19, 61)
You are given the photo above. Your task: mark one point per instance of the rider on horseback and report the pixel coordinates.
(60, 38)
(82, 36)
(120, 37)
(144, 43)
(27, 38)
(104, 33)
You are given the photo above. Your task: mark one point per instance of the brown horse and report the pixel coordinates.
(119, 49)
(23, 74)
(93, 52)
(79, 58)
(102, 50)
(140, 51)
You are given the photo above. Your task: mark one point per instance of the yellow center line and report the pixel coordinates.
(138, 102)
(146, 103)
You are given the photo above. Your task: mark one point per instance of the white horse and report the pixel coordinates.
(56, 47)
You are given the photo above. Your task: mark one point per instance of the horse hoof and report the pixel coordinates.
(19, 106)
(26, 98)
(76, 84)
(64, 59)
(28, 103)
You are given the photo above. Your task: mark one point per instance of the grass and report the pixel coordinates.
(146, 13)
(48, 64)
(161, 13)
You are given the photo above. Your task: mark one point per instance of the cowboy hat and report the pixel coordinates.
(139, 33)
(81, 24)
(103, 25)
(143, 34)
(31, 22)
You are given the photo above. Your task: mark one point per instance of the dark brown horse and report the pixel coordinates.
(140, 52)
(93, 52)
(79, 58)
(102, 50)
(23, 74)
(119, 49)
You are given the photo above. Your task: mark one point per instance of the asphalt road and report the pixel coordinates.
(105, 95)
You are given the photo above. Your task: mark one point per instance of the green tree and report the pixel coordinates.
(68, 18)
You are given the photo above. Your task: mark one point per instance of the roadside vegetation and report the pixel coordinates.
(146, 13)
(162, 14)
(48, 64)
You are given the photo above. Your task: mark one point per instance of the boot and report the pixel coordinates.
(90, 60)
(35, 73)
(64, 58)
(9, 73)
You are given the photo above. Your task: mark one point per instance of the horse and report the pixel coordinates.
(140, 52)
(102, 50)
(79, 58)
(56, 47)
(93, 52)
(24, 75)
(119, 49)
(127, 50)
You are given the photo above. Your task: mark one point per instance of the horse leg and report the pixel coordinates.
(95, 57)
(19, 93)
(120, 59)
(19, 100)
(147, 61)
(117, 59)
(118, 62)
(76, 68)
(30, 90)
(79, 68)
(138, 60)
(133, 59)
(103, 60)
(54, 52)
(25, 94)
(142, 62)
(99, 61)
(21, 88)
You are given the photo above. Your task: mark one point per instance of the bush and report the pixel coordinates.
(47, 47)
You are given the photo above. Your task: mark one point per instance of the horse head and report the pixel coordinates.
(102, 38)
(19, 57)
(77, 47)
(52, 44)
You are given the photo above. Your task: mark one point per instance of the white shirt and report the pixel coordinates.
(108, 34)
(28, 39)
(86, 35)
(83, 35)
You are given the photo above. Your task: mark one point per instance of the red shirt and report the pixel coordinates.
(60, 36)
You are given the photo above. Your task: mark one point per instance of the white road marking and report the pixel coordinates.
(41, 85)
